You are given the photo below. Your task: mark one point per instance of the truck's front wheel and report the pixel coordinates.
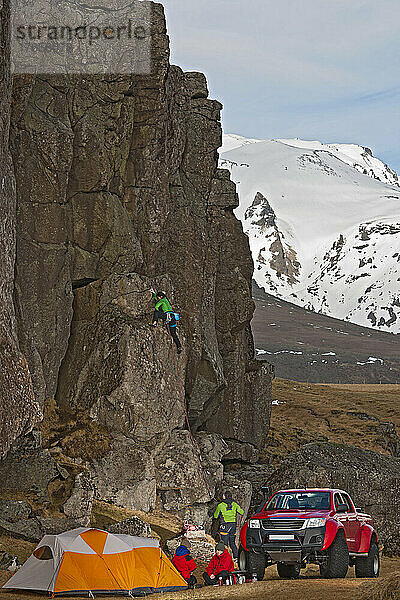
(256, 565)
(336, 562)
(286, 571)
(242, 560)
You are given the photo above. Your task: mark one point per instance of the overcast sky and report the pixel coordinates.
(314, 69)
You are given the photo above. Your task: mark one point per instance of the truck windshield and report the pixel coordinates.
(300, 500)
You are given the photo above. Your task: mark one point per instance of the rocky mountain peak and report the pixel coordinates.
(260, 212)
(331, 243)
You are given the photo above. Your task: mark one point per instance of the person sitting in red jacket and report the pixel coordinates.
(184, 563)
(219, 566)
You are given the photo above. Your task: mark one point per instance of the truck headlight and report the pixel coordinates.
(254, 523)
(315, 522)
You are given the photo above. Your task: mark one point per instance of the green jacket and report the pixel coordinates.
(163, 305)
(228, 515)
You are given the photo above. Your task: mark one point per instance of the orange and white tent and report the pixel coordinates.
(91, 560)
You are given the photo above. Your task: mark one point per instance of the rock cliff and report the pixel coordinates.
(118, 191)
(18, 410)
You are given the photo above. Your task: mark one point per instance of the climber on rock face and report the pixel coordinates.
(164, 311)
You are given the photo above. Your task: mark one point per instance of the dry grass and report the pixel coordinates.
(19, 548)
(308, 587)
(368, 387)
(387, 588)
(348, 414)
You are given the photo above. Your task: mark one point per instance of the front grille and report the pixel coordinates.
(282, 523)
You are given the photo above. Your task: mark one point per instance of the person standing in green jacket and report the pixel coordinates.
(164, 311)
(227, 512)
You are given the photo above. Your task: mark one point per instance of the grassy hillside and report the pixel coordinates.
(366, 416)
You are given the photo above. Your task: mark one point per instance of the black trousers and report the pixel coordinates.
(171, 325)
(208, 581)
(174, 335)
(227, 531)
(192, 581)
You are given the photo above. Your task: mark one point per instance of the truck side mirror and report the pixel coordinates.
(342, 508)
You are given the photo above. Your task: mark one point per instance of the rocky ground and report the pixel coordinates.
(321, 435)
(308, 346)
(309, 586)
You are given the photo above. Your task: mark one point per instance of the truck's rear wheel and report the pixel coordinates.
(337, 559)
(286, 571)
(370, 565)
(256, 564)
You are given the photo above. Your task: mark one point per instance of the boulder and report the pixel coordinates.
(202, 550)
(28, 468)
(240, 452)
(26, 529)
(258, 475)
(132, 526)
(55, 526)
(187, 470)
(33, 529)
(371, 479)
(126, 476)
(14, 510)
(79, 504)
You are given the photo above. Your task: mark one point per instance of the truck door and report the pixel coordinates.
(353, 525)
(343, 518)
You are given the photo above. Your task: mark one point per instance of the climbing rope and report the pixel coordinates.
(192, 438)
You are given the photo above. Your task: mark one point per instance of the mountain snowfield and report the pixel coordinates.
(323, 222)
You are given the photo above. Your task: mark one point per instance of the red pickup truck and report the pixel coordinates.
(319, 526)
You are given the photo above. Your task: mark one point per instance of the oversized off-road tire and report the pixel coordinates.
(286, 571)
(242, 560)
(256, 564)
(337, 559)
(370, 565)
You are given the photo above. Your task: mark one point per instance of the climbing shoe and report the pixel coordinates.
(179, 350)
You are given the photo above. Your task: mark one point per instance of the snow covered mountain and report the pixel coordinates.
(323, 222)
